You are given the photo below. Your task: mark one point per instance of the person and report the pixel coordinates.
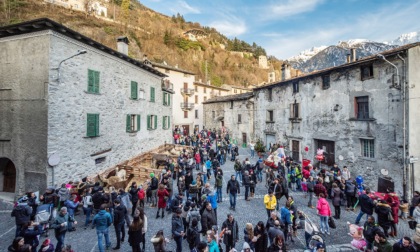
(22, 213)
(383, 210)
(60, 227)
(370, 228)
(246, 248)
(154, 183)
(320, 188)
(208, 218)
(178, 229)
(193, 213)
(141, 194)
(102, 221)
(394, 202)
(71, 205)
(350, 189)
(246, 182)
(233, 188)
(87, 205)
(17, 244)
(286, 218)
(273, 217)
(201, 247)
(159, 241)
(278, 245)
(270, 202)
(211, 242)
(416, 213)
(134, 196)
(230, 232)
(345, 173)
(46, 246)
(262, 237)
(310, 185)
(294, 214)
(177, 202)
(404, 245)
(119, 220)
(135, 236)
(366, 205)
(382, 243)
(63, 194)
(32, 203)
(414, 202)
(124, 198)
(252, 149)
(212, 198)
(324, 212)
(249, 235)
(336, 195)
(274, 231)
(31, 232)
(219, 185)
(193, 234)
(277, 191)
(238, 169)
(162, 195)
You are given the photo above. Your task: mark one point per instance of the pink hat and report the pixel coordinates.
(46, 242)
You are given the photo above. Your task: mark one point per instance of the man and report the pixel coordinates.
(286, 218)
(370, 228)
(98, 199)
(366, 205)
(60, 227)
(233, 189)
(230, 230)
(320, 188)
(188, 180)
(247, 183)
(102, 221)
(208, 219)
(177, 202)
(381, 243)
(125, 201)
(178, 229)
(336, 171)
(154, 183)
(403, 245)
(270, 202)
(273, 217)
(212, 198)
(345, 174)
(277, 191)
(219, 185)
(193, 234)
(238, 169)
(71, 205)
(119, 220)
(310, 186)
(252, 149)
(274, 231)
(22, 213)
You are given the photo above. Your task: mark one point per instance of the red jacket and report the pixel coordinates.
(323, 207)
(141, 194)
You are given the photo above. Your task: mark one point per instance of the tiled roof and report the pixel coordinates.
(172, 68)
(225, 98)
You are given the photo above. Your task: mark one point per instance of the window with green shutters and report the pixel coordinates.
(132, 123)
(134, 90)
(166, 99)
(151, 122)
(166, 122)
(93, 81)
(92, 125)
(152, 94)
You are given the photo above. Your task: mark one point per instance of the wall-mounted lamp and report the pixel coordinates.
(79, 52)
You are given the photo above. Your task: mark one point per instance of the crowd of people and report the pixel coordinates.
(190, 189)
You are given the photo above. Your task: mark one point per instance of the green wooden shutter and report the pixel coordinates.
(97, 125)
(169, 122)
(92, 125)
(155, 123)
(165, 95)
(91, 81)
(96, 89)
(169, 99)
(138, 122)
(149, 125)
(152, 94)
(128, 124)
(163, 122)
(134, 90)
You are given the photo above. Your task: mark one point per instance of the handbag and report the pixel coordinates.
(390, 217)
(412, 224)
(331, 223)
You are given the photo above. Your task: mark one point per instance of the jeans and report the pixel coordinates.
(219, 194)
(107, 241)
(232, 200)
(359, 216)
(311, 194)
(252, 153)
(222, 159)
(259, 175)
(60, 241)
(324, 223)
(238, 173)
(197, 166)
(154, 197)
(246, 192)
(88, 212)
(178, 241)
(119, 228)
(18, 229)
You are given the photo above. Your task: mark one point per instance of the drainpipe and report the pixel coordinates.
(406, 173)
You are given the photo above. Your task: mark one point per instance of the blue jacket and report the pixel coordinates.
(71, 206)
(212, 198)
(208, 164)
(102, 220)
(285, 216)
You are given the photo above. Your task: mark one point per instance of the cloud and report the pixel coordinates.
(289, 8)
(184, 8)
(230, 28)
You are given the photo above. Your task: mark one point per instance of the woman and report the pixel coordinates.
(159, 242)
(46, 246)
(134, 196)
(143, 218)
(199, 183)
(17, 244)
(384, 212)
(394, 202)
(162, 195)
(87, 205)
(324, 212)
(336, 195)
(135, 234)
(277, 245)
(30, 233)
(211, 242)
(249, 235)
(262, 237)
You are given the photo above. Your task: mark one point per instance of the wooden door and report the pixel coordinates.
(185, 85)
(9, 177)
(244, 140)
(186, 130)
(295, 150)
(329, 151)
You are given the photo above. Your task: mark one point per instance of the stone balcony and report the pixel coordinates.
(187, 91)
(187, 106)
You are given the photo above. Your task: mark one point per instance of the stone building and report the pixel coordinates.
(234, 89)
(364, 114)
(71, 107)
(234, 112)
(97, 7)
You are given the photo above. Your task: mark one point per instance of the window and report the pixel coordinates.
(166, 99)
(134, 90)
(231, 104)
(366, 72)
(220, 92)
(196, 89)
(93, 81)
(239, 118)
(213, 114)
(325, 81)
(295, 110)
(92, 125)
(152, 94)
(362, 107)
(196, 114)
(235, 91)
(132, 123)
(295, 150)
(186, 75)
(151, 122)
(205, 98)
(295, 87)
(368, 148)
(185, 114)
(205, 90)
(166, 122)
(270, 116)
(270, 94)
(196, 99)
(167, 71)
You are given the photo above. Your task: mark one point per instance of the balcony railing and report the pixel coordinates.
(187, 91)
(187, 106)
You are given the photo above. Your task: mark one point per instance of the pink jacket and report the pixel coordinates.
(323, 207)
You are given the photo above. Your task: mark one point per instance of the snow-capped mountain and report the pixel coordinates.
(407, 38)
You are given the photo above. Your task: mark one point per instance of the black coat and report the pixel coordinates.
(22, 213)
(366, 204)
(135, 237)
(208, 219)
(133, 192)
(383, 211)
(262, 242)
(233, 228)
(119, 215)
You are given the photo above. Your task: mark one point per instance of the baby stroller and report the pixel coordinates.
(43, 216)
(312, 235)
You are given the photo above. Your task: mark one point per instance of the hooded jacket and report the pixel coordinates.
(63, 193)
(208, 219)
(366, 204)
(177, 225)
(336, 195)
(22, 213)
(102, 220)
(383, 210)
(323, 207)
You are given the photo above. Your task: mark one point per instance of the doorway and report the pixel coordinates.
(295, 150)
(329, 151)
(244, 140)
(186, 130)
(269, 140)
(8, 172)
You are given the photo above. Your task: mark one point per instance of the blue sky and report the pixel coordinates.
(286, 27)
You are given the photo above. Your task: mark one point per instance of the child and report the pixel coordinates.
(148, 193)
(404, 209)
(292, 177)
(304, 186)
(141, 193)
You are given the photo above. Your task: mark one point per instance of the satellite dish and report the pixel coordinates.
(384, 172)
(341, 158)
(54, 159)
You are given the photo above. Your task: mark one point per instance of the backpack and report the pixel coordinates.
(191, 234)
(350, 189)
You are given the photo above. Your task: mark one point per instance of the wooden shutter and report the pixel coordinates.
(165, 98)
(164, 122)
(128, 124)
(299, 111)
(155, 127)
(96, 89)
(169, 99)
(138, 122)
(92, 125)
(149, 124)
(134, 90)
(169, 122)
(97, 125)
(91, 81)
(152, 94)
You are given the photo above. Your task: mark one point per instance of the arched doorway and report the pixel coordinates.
(7, 175)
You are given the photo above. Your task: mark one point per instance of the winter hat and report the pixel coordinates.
(46, 242)
(152, 175)
(194, 182)
(320, 245)
(163, 171)
(246, 246)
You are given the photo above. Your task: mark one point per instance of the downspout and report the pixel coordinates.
(405, 172)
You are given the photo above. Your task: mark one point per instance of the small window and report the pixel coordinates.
(152, 94)
(231, 104)
(166, 122)
(205, 90)
(151, 122)
(196, 89)
(93, 81)
(185, 114)
(325, 81)
(368, 148)
(239, 118)
(205, 98)
(295, 110)
(167, 71)
(235, 91)
(134, 90)
(295, 87)
(92, 125)
(220, 92)
(132, 123)
(196, 99)
(196, 114)
(362, 107)
(270, 116)
(213, 114)
(100, 160)
(141, 94)
(366, 72)
(166, 99)
(270, 94)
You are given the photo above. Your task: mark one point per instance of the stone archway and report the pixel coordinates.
(7, 175)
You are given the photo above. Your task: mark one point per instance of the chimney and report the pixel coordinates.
(122, 45)
(353, 54)
(285, 71)
(348, 58)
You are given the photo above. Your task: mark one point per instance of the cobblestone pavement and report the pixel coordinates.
(247, 211)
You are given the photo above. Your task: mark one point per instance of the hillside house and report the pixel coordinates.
(72, 107)
(195, 34)
(95, 7)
